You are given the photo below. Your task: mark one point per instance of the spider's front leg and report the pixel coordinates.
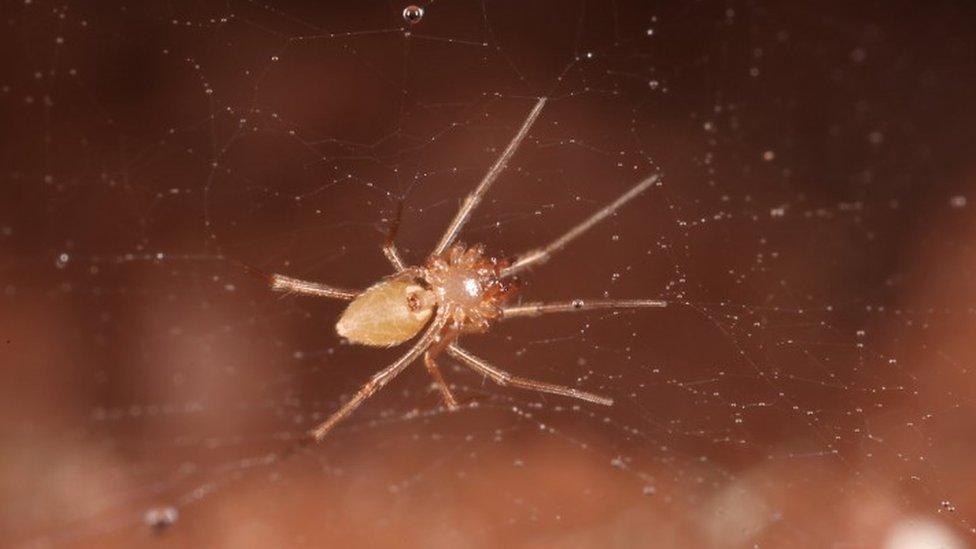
(541, 255)
(579, 305)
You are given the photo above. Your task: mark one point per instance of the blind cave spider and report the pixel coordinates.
(457, 290)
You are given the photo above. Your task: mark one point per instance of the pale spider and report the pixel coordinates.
(458, 290)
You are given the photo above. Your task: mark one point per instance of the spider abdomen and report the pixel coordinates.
(382, 316)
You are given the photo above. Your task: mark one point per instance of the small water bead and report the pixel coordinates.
(159, 518)
(413, 14)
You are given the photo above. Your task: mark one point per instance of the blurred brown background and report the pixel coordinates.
(811, 384)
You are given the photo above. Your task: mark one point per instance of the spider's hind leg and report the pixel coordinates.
(506, 379)
(281, 283)
(449, 401)
(381, 378)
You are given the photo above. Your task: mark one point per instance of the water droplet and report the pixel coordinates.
(159, 518)
(958, 201)
(413, 14)
(578, 303)
(62, 260)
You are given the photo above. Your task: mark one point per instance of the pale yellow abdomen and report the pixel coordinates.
(381, 316)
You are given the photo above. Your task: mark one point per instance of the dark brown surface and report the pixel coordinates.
(811, 384)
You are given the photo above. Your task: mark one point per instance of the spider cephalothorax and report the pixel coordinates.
(468, 287)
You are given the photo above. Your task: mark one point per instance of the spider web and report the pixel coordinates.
(809, 384)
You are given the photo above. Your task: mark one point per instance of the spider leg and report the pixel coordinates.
(381, 378)
(506, 379)
(430, 361)
(393, 256)
(442, 386)
(389, 246)
(541, 255)
(282, 283)
(577, 305)
(472, 200)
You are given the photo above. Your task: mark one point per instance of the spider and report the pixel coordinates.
(458, 290)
